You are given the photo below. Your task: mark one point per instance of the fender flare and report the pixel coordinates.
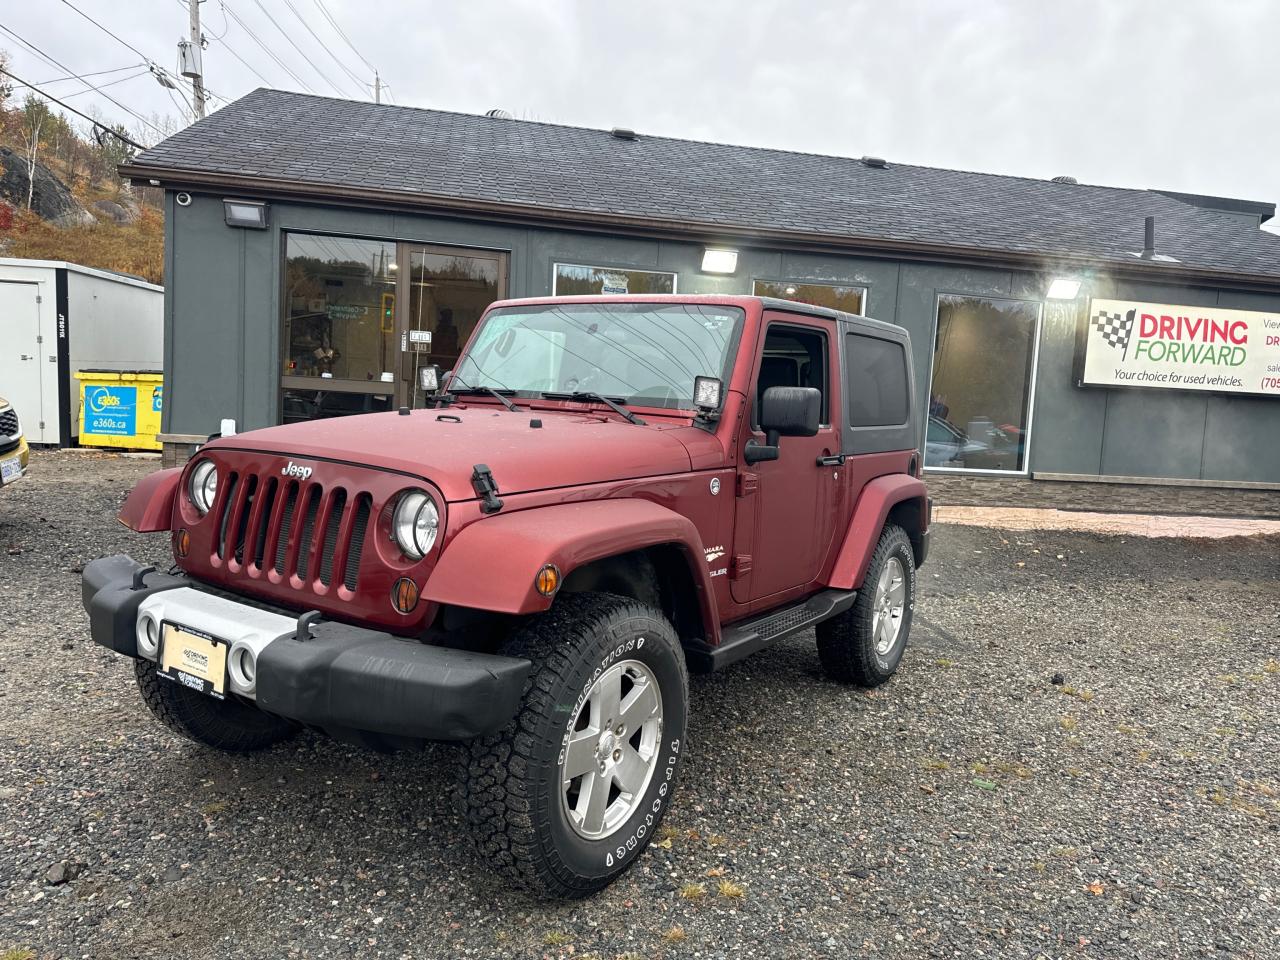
(491, 563)
(149, 506)
(874, 503)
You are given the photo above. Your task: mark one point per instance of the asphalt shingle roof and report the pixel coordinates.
(438, 156)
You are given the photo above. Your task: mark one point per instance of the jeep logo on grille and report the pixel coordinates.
(293, 470)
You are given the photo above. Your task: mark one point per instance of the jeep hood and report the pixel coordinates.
(443, 446)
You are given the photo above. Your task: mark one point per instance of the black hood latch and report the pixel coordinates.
(486, 488)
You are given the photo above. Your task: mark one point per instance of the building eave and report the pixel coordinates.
(688, 231)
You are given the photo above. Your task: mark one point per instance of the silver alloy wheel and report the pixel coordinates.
(888, 605)
(611, 749)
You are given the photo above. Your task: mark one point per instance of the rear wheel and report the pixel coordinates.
(565, 798)
(223, 724)
(864, 645)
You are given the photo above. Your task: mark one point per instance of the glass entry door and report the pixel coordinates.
(444, 292)
(361, 317)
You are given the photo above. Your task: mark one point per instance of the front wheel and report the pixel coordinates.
(864, 645)
(565, 798)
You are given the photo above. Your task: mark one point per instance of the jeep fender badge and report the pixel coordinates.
(715, 486)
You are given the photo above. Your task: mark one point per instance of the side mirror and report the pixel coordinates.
(785, 412)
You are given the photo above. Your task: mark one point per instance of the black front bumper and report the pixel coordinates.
(343, 679)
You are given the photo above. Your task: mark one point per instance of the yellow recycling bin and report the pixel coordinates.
(120, 408)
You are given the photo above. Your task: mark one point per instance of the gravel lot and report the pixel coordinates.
(973, 807)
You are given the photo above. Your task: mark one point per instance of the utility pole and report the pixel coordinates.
(194, 65)
(377, 87)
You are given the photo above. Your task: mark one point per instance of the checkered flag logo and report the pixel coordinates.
(1115, 328)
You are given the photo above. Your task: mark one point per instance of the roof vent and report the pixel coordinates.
(497, 113)
(877, 163)
(622, 133)
(1065, 180)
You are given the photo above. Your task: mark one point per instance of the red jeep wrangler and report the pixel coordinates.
(606, 493)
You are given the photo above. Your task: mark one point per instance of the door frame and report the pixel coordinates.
(405, 249)
(400, 387)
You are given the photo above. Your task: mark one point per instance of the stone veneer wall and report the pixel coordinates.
(957, 490)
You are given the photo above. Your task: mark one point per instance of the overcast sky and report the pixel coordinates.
(1143, 93)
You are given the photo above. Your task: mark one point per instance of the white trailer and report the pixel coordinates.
(57, 318)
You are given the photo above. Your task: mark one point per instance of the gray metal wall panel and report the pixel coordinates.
(202, 318)
(223, 314)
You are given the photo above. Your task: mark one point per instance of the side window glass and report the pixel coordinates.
(877, 381)
(793, 357)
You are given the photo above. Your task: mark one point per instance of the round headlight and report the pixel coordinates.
(203, 485)
(415, 524)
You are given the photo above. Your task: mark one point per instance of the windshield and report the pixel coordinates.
(646, 354)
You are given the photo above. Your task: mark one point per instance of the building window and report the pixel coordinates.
(573, 280)
(877, 381)
(339, 346)
(980, 389)
(842, 297)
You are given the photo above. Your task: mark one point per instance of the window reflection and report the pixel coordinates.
(340, 309)
(572, 280)
(842, 297)
(980, 397)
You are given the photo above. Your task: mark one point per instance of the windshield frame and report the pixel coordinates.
(683, 406)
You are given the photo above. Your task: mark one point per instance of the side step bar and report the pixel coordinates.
(746, 637)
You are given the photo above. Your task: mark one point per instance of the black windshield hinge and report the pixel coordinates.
(486, 488)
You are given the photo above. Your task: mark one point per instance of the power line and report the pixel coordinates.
(96, 73)
(285, 33)
(334, 23)
(132, 76)
(267, 50)
(324, 46)
(97, 124)
(66, 69)
(106, 31)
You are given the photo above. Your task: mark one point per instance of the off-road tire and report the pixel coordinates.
(846, 646)
(223, 724)
(509, 782)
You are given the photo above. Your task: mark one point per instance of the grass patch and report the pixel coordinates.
(944, 662)
(215, 808)
(1004, 767)
(929, 763)
(555, 938)
(1271, 666)
(18, 953)
(734, 891)
(675, 935)
(1068, 723)
(1070, 691)
(693, 891)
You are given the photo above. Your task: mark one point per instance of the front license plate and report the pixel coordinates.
(194, 659)
(10, 469)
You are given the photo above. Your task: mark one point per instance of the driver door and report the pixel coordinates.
(786, 507)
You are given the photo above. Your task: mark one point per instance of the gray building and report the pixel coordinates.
(1075, 344)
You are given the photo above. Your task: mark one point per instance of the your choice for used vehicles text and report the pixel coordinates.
(607, 493)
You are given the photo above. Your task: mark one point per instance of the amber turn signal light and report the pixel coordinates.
(548, 580)
(404, 595)
(181, 542)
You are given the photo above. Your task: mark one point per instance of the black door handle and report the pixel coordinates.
(837, 460)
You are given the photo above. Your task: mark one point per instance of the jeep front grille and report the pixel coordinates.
(259, 515)
(9, 423)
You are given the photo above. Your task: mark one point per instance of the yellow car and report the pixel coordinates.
(13, 448)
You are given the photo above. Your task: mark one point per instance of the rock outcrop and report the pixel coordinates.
(50, 200)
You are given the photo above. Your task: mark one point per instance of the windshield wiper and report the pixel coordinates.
(599, 398)
(459, 391)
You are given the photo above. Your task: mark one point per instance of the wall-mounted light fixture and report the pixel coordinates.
(251, 214)
(719, 260)
(1063, 288)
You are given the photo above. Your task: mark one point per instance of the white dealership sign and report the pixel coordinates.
(1130, 343)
